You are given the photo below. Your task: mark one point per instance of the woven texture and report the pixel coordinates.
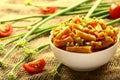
(15, 8)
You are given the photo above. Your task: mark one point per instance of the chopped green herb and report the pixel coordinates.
(83, 24)
(68, 44)
(27, 2)
(99, 43)
(94, 18)
(78, 38)
(83, 17)
(87, 43)
(69, 19)
(105, 31)
(65, 23)
(100, 21)
(115, 29)
(107, 38)
(77, 44)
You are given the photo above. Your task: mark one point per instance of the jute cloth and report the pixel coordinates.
(15, 8)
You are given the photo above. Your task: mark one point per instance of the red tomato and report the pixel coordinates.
(115, 10)
(6, 30)
(34, 66)
(47, 10)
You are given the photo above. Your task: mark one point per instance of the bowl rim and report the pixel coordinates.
(96, 52)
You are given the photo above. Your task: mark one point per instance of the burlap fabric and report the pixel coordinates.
(15, 8)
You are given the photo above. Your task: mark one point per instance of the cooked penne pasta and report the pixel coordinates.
(62, 42)
(64, 31)
(104, 44)
(77, 39)
(98, 28)
(84, 35)
(101, 35)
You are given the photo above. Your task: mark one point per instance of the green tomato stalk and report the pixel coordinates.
(11, 76)
(93, 8)
(54, 71)
(113, 21)
(22, 18)
(10, 37)
(88, 6)
(44, 16)
(39, 24)
(100, 13)
(82, 9)
(2, 47)
(103, 16)
(85, 11)
(20, 35)
(21, 43)
(28, 27)
(37, 32)
(28, 54)
(52, 16)
(2, 65)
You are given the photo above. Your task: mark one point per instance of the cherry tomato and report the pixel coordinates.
(115, 10)
(34, 66)
(47, 9)
(6, 30)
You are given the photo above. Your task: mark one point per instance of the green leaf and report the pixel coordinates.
(99, 43)
(68, 44)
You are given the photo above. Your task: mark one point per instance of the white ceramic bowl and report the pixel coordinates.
(82, 61)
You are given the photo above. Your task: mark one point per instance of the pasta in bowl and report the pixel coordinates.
(84, 44)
